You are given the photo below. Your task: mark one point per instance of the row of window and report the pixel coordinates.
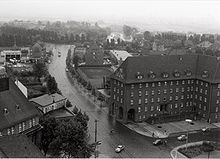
(22, 126)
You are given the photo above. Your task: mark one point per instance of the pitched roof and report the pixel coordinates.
(18, 146)
(9, 99)
(154, 67)
(47, 99)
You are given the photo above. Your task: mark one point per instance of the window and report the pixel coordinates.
(188, 89)
(171, 90)
(132, 86)
(196, 96)
(171, 98)
(0, 133)
(217, 101)
(206, 84)
(177, 90)
(204, 108)
(152, 108)
(19, 128)
(171, 83)
(183, 82)
(188, 81)
(182, 96)
(191, 88)
(192, 81)
(158, 108)
(117, 99)
(187, 96)
(117, 90)
(177, 83)
(176, 105)
(171, 106)
(12, 130)
(218, 85)
(197, 89)
(159, 84)
(9, 131)
(201, 83)
(34, 122)
(158, 91)
(139, 109)
(122, 85)
(118, 83)
(146, 100)
(114, 81)
(165, 83)
(146, 93)
(158, 99)
(132, 102)
(216, 109)
(201, 90)
(187, 104)
(23, 126)
(190, 103)
(197, 82)
(140, 85)
(114, 89)
(145, 109)
(121, 93)
(153, 85)
(164, 91)
(132, 94)
(114, 97)
(200, 98)
(218, 93)
(181, 105)
(200, 106)
(152, 92)
(139, 101)
(205, 99)
(182, 89)
(121, 100)
(146, 85)
(176, 98)
(152, 100)
(191, 96)
(139, 93)
(30, 123)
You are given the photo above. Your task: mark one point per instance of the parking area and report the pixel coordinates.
(183, 126)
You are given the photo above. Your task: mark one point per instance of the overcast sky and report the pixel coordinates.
(201, 13)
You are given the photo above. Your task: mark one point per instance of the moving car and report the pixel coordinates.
(182, 137)
(67, 70)
(119, 148)
(157, 142)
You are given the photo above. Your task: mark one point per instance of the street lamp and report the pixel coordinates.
(95, 135)
(187, 136)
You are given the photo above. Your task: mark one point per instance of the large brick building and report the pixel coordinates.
(171, 87)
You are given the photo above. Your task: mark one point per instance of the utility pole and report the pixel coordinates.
(95, 136)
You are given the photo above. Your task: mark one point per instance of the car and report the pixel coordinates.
(205, 129)
(67, 70)
(157, 142)
(182, 137)
(119, 148)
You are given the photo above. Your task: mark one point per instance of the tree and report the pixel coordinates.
(127, 30)
(39, 69)
(48, 132)
(147, 35)
(52, 85)
(68, 104)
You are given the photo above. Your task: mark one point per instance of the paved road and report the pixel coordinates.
(135, 145)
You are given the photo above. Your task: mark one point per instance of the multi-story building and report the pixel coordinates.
(170, 87)
(17, 115)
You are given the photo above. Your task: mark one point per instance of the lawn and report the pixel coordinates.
(96, 72)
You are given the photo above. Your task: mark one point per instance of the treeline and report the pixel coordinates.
(26, 37)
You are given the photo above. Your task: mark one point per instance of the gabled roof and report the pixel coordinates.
(18, 146)
(168, 67)
(11, 98)
(47, 99)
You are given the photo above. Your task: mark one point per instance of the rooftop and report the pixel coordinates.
(169, 67)
(47, 99)
(18, 146)
(15, 107)
(120, 54)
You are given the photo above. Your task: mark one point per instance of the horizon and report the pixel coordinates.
(181, 16)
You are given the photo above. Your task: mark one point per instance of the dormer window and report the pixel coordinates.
(5, 111)
(139, 76)
(165, 75)
(205, 74)
(152, 75)
(176, 73)
(188, 73)
(17, 107)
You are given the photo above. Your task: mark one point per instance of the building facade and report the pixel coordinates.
(160, 88)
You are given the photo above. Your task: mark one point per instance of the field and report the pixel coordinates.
(96, 72)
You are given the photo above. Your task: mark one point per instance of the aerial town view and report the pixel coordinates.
(109, 79)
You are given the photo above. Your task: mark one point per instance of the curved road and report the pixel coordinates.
(135, 145)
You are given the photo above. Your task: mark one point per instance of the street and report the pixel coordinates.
(135, 145)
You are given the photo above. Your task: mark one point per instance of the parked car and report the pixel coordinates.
(157, 142)
(67, 70)
(205, 129)
(182, 137)
(119, 148)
